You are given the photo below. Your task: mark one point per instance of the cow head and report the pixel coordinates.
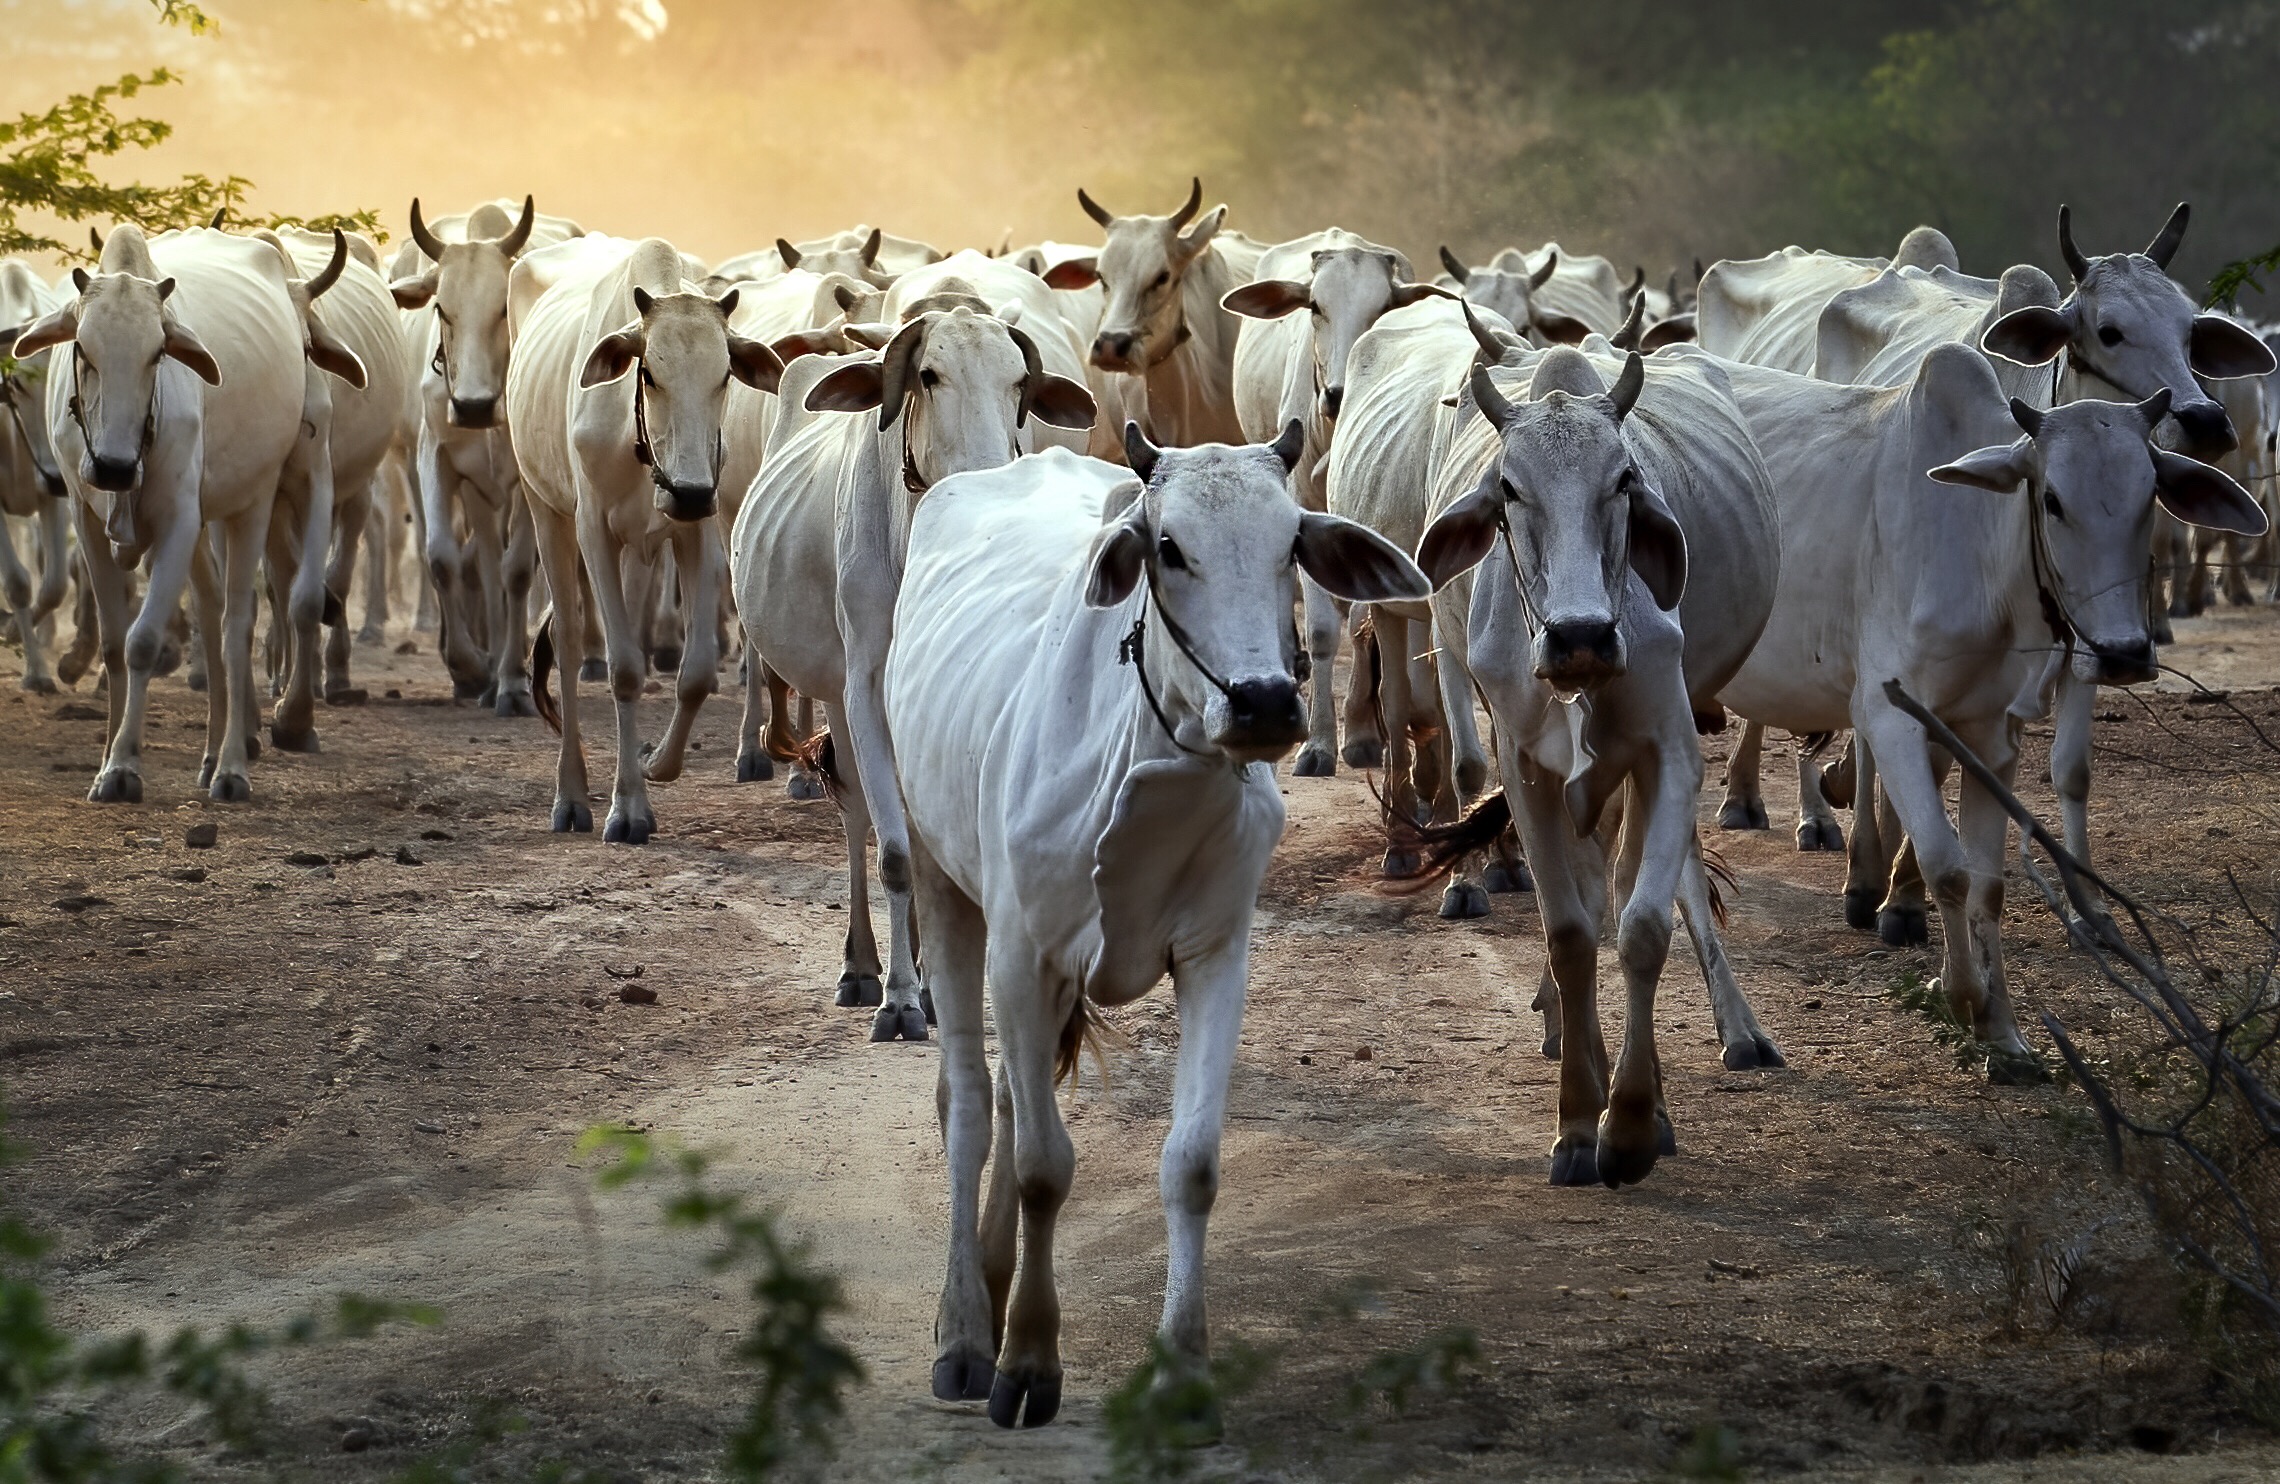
(467, 284)
(24, 390)
(853, 253)
(1141, 268)
(1509, 286)
(1582, 516)
(686, 354)
(2128, 324)
(120, 327)
(2093, 477)
(963, 383)
(1346, 289)
(1214, 536)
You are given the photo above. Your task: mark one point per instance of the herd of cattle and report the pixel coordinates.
(1065, 542)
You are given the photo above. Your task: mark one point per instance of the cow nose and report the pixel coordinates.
(2126, 664)
(1264, 712)
(2208, 432)
(112, 474)
(1116, 347)
(474, 412)
(686, 501)
(1332, 398)
(1578, 649)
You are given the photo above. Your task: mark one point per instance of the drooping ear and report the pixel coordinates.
(59, 328)
(803, 343)
(1117, 554)
(1406, 294)
(1658, 546)
(414, 293)
(2030, 336)
(1560, 329)
(1073, 273)
(1062, 402)
(612, 356)
(854, 387)
(2001, 469)
(2221, 350)
(898, 369)
(1268, 298)
(1676, 330)
(1289, 444)
(755, 363)
(2201, 496)
(328, 353)
(790, 254)
(182, 344)
(1139, 452)
(1460, 537)
(1196, 238)
(1349, 560)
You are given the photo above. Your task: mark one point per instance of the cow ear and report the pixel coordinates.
(1459, 538)
(2201, 496)
(1117, 554)
(754, 363)
(854, 387)
(2222, 350)
(1406, 294)
(183, 345)
(1196, 238)
(801, 343)
(56, 329)
(329, 354)
(1073, 273)
(2001, 469)
(1348, 560)
(1658, 546)
(1560, 329)
(1062, 402)
(871, 334)
(1676, 330)
(1268, 298)
(2029, 336)
(612, 356)
(413, 293)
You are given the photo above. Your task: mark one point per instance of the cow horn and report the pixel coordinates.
(1491, 348)
(1486, 397)
(1457, 269)
(519, 238)
(1634, 323)
(221, 214)
(790, 254)
(2154, 408)
(1290, 444)
(2029, 419)
(1543, 275)
(1093, 209)
(1032, 373)
(332, 270)
(1139, 452)
(422, 238)
(1638, 282)
(96, 238)
(1194, 203)
(844, 297)
(1629, 385)
(1699, 270)
(2164, 245)
(871, 246)
(2076, 264)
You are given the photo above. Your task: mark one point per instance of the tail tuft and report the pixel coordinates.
(541, 666)
(1721, 877)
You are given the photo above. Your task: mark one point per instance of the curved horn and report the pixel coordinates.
(422, 238)
(871, 246)
(1491, 348)
(1194, 203)
(1488, 399)
(2154, 408)
(790, 254)
(1629, 384)
(2164, 244)
(1638, 282)
(1634, 324)
(221, 214)
(1032, 372)
(332, 270)
(1543, 275)
(2029, 419)
(2076, 264)
(96, 238)
(1456, 267)
(1093, 209)
(515, 241)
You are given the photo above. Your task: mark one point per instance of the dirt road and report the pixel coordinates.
(245, 1084)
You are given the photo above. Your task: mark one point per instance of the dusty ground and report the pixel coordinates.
(245, 1085)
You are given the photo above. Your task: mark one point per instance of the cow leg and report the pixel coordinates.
(868, 745)
(1210, 993)
(1364, 739)
(1745, 1045)
(630, 819)
(1319, 758)
(292, 725)
(557, 540)
(55, 573)
(966, 1322)
(1030, 1015)
(787, 737)
(1635, 1129)
(103, 589)
(1904, 919)
(1867, 857)
(1744, 805)
(241, 549)
(1984, 828)
(1564, 863)
(1401, 853)
(1467, 757)
(16, 585)
(597, 669)
(1903, 761)
(510, 635)
(85, 630)
(859, 964)
(487, 597)
(696, 551)
(667, 626)
(206, 587)
(350, 515)
(2070, 772)
(752, 764)
(441, 490)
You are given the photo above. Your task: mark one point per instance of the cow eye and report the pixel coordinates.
(927, 378)
(2051, 507)
(1162, 279)
(2108, 335)
(1168, 552)
(646, 378)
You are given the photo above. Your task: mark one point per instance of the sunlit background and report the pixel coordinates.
(1656, 132)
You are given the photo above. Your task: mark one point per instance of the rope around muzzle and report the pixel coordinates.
(78, 410)
(1132, 650)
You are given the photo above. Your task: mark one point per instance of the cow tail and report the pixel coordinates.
(542, 665)
(819, 757)
(1720, 875)
(1083, 1032)
(1440, 847)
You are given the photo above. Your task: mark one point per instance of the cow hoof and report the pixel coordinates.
(1551, 1045)
(1860, 908)
(39, 685)
(205, 770)
(1620, 1167)
(230, 788)
(2160, 632)
(1027, 1401)
(468, 690)
(2015, 1068)
(1743, 814)
(964, 1375)
(515, 701)
(346, 695)
(1401, 863)
(1502, 878)
(1666, 1138)
(926, 1004)
(252, 745)
(488, 696)
(627, 828)
(1574, 1163)
(593, 671)
(116, 786)
(283, 739)
(1363, 752)
(196, 680)
(1820, 834)
(573, 814)
(1904, 927)
(858, 990)
(899, 1023)
(71, 670)
(1313, 762)
(1754, 1053)
(752, 766)
(1464, 899)
(803, 786)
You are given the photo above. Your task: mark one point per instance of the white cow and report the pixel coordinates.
(1767, 311)
(863, 252)
(31, 486)
(1290, 368)
(615, 399)
(1890, 572)
(456, 277)
(177, 406)
(817, 557)
(1089, 687)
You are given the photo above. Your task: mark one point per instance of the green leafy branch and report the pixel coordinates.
(2226, 287)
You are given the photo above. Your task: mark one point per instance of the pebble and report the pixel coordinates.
(404, 857)
(1362, 1053)
(306, 858)
(424, 1127)
(202, 836)
(637, 994)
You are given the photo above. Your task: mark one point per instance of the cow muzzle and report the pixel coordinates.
(1116, 351)
(1264, 717)
(2125, 664)
(2206, 433)
(114, 476)
(687, 501)
(1572, 653)
(474, 412)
